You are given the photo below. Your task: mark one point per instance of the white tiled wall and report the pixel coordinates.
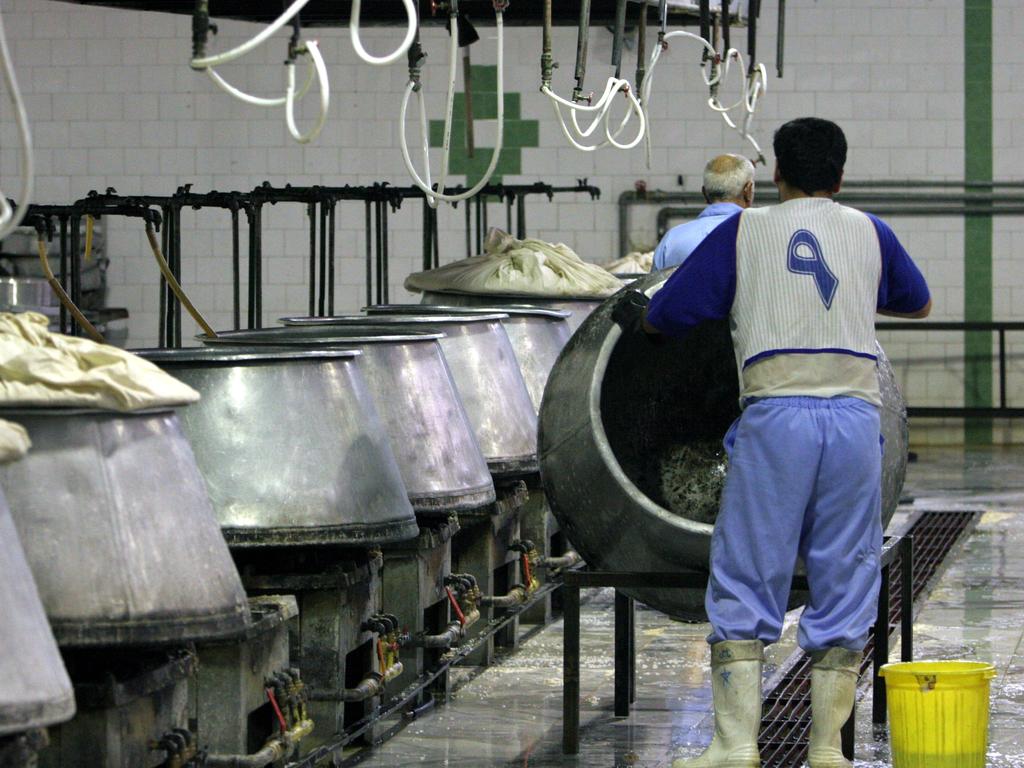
(114, 103)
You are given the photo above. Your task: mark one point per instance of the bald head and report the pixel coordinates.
(729, 179)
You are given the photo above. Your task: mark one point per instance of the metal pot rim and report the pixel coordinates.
(356, 320)
(545, 296)
(13, 411)
(444, 309)
(210, 356)
(360, 335)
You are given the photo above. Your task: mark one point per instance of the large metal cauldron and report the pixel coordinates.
(579, 307)
(291, 446)
(36, 690)
(537, 336)
(432, 438)
(118, 530)
(613, 414)
(487, 375)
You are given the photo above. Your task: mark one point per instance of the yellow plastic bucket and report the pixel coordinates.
(938, 713)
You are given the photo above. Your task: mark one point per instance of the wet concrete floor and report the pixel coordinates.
(510, 714)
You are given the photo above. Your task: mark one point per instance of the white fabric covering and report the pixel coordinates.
(14, 442)
(39, 368)
(519, 267)
(634, 263)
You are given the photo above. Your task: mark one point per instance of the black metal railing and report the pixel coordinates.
(380, 201)
(1000, 328)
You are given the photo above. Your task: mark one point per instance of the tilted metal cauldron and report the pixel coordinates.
(291, 446)
(432, 438)
(537, 335)
(612, 411)
(36, 690)
(118, 529)
(484, 368)
(578, 307)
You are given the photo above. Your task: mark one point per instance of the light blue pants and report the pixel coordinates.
(804, 480)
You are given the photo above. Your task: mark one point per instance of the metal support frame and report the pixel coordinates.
(401, 701)
(321, 202)
(1003, 410)
(625, 631)
(68, 220)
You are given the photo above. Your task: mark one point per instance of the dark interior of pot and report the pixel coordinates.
(666, 405)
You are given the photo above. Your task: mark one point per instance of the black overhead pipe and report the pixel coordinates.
(753, 11)
(582, 40)
(618, 35)
(780, 39)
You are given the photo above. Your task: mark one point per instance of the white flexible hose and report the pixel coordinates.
(602, 107)
(435, 196)
(313, 50)
(10, 219)
(357, 44)
(260, 101)
(252, 43)
(754, 86)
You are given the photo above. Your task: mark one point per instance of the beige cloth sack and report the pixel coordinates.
(39, 368)
(635, 263)
(519, 267)
(14, 442)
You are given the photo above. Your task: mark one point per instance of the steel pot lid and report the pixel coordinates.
(527, 298)
(494, 309)
(579, 307)
(36, 691)
(441, 463)
(318, 335)
(425, 319)
(631, 432)
(292, 447)
(119, 532)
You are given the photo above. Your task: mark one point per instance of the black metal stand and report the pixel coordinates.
(625, 641)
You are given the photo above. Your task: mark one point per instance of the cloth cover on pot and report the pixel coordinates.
(519, 267)
(43, 369)
(634, 263)
(14, 442)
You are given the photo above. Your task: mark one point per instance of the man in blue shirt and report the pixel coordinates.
(801, 283)
(728, 189)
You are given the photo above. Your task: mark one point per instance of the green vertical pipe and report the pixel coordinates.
(978, 229)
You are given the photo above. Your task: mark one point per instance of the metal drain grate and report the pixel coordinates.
(786, 720)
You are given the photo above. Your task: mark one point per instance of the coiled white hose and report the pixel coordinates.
(205, 62)
(714, 76)
(357, 44)
(317, 71)
(424, 182)
(602, 116)
(9, 219)
(313, 50)
(260, 101)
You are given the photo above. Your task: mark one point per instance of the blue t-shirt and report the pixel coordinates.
(679, 242)
(704, 287)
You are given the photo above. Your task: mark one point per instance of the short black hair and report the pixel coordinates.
(811, 153)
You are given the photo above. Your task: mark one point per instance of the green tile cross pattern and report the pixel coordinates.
(519, 133)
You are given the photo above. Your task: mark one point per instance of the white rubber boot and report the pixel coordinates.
(736, 691)
(833, 690)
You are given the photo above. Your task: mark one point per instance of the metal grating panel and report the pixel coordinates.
(786, 719)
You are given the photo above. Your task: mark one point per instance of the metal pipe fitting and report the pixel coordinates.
(277, 748)
(547, 64)
(566, 560)
(518, 595)
(452, 635)
(582, 41)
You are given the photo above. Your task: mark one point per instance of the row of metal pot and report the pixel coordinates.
(325, 431)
